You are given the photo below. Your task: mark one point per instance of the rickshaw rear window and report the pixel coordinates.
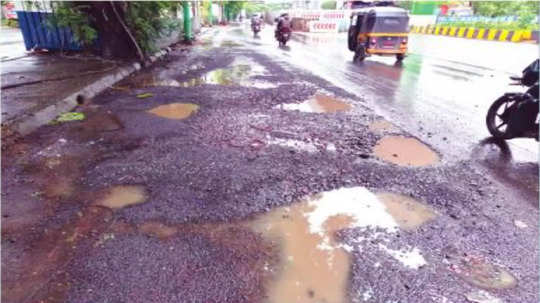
(391, 24)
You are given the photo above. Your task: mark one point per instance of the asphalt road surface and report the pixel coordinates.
(237, 171)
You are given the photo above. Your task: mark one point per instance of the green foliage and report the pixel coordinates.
(149, 20)
(329, 5)
(252, 7)
(233, 8)
(505, 8)
(68, 15)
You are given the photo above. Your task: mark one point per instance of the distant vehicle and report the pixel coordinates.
(379, 31)
(515, 115)
(363, 4)
(256, 23)
(283, 30)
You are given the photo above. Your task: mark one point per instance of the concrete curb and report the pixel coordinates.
(29, 122)
(475, 33)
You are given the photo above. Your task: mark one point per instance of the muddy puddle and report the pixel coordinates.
(314, 264)
(240, 72)
(408, 213)
(478, 271)
(319, 103)
(175, 111)
(405, 151)
(123, 195)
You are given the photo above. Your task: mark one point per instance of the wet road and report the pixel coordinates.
(239, 172)
(441, 92)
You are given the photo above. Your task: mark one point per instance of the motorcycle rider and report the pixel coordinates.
(255, 20)
(282, 22)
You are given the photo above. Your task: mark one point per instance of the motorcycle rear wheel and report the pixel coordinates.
(498, 117)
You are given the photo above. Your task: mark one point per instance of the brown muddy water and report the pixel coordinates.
(314, 265)
(123, 195)
(405, 151)
(319, 103)
(175, 111)
(408, 213)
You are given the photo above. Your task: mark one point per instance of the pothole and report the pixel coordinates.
(479, 272)
(408, 213)
(319, 103)
(405, 151)
(240, 72)
(314, 265)
(175, 111)
(123, 195)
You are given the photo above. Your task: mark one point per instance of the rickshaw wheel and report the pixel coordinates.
(400, 57)
(359, 54)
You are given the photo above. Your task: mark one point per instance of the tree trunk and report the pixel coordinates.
(114, 41)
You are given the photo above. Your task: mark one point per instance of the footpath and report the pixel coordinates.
(36, 87)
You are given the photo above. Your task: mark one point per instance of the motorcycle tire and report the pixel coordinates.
(493, 126)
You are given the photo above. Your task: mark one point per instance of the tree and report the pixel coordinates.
(329, 5)
(505, 8)
(126, 29)
(233, 8)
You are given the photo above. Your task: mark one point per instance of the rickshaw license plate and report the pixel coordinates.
(388, 43)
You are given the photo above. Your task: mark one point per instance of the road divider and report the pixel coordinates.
(477, 33)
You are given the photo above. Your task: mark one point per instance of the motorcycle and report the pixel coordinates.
(256, 28)
(283, 35)
(515, 115)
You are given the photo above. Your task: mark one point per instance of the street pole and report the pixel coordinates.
(211, 14)
(187, 22)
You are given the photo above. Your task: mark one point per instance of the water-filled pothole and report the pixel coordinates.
(122, 196)
(405, 151)
(240, 72)
(479, 272)
(314, 265)
(176, 111)
(319, 103)
(408, 213)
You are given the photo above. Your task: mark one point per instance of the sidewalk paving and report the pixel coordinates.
(39, 82)
(11, 43)
(37, 87)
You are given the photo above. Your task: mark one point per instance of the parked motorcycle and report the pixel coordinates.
(515, 115)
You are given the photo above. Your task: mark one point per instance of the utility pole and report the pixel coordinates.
(211, 14)
(187, 22)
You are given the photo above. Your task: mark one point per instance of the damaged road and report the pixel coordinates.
(225, 175)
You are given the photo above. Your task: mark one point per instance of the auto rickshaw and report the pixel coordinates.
(379, 31)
